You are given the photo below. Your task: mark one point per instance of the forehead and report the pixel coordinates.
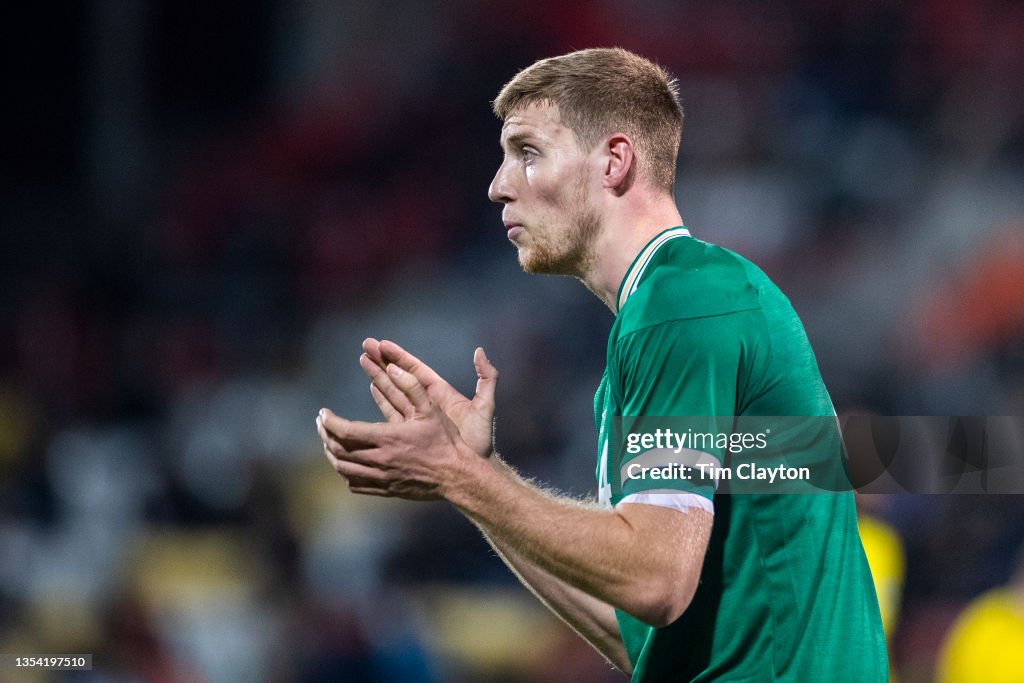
(540, 122)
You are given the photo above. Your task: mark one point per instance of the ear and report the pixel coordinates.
(619, 162)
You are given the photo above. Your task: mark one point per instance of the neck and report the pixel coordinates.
(622, 234)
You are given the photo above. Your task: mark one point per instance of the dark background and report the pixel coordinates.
(207, 208)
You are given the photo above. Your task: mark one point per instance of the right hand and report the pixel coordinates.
(474, 418)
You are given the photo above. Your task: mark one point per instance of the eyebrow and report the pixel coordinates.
(516, 139)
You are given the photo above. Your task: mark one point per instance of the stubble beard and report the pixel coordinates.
(569, 253)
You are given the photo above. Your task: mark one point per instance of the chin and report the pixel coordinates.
(534, 265)
(528, 264)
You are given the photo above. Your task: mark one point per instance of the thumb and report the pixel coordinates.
(487, 381)
(410, 386)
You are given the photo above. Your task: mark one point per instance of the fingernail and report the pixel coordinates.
(321, 413)
(394, 370)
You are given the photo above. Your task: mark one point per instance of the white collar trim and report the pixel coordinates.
(640, 263)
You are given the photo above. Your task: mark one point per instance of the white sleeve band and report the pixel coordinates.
(681, 501)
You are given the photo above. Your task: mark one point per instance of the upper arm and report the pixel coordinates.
(686, 367)
(679, 376)
(677, 542)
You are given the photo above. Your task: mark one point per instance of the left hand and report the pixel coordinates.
(473, 417)
(416, 459)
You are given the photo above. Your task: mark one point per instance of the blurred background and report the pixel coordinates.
(207, 207)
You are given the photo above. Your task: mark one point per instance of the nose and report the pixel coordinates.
(500, 191)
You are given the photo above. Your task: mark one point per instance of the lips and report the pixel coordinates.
(514, 229)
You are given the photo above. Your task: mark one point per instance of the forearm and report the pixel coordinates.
(629, 561)
(591, 618)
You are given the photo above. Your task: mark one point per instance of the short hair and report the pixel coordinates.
(600, 91)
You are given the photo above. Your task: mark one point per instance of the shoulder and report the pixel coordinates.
(689, 279)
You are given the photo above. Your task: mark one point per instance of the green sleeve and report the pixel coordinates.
(679, 375)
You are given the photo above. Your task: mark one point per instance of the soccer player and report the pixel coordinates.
(668, 580)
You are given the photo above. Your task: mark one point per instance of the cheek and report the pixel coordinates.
(549, 190)
(538, 183)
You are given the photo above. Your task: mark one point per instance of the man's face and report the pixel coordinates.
(543, 183)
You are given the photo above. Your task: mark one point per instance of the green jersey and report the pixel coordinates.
(785, 593)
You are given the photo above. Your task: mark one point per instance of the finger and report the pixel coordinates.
(363, 474)
(487, 380)
(389, 412)
(371, 347)
(350, 431)
(360, 482)
(333, 441)
(335, 450)
(361, 479)
(368, 457)
(411, 387)
(393, 353)
(398, 400)
(369, 490)
(325, 436)
(370, 366)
